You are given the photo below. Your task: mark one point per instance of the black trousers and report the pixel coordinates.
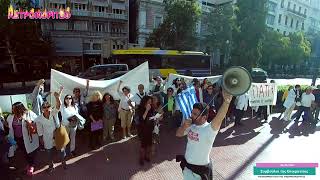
(28, 156)
(238, 115)
(96, 138)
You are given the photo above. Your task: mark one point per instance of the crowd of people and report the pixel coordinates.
(39, 128)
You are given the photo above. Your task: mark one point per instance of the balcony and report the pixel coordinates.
(110, 15)
(296, 13)
(80, 13)
(118, 34)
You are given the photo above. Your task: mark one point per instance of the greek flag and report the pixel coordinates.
(186, 99)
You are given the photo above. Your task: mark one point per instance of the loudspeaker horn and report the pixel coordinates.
(236, 80)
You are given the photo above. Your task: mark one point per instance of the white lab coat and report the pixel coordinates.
(30, 146)
(290, 101)
(242, 102)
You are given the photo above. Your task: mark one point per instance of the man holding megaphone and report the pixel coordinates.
(196, 164)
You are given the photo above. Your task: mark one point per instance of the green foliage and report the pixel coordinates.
(249, 32)
(221, 21)
(281, 49)
(178, 31)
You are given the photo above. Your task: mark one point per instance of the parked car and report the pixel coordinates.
(105, 71)
(259, 75)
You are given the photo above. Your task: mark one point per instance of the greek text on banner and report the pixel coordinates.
(262, 94)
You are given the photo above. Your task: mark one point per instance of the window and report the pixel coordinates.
(294, 7)
(286, 21)
(305, 11)
(297, 24)
(270, 19)
(279, 20)
(143, 18)
(98, 27)
(278, 30)
(78, 6)
(282, 3)
(302, 26)
(96, 46)
(289, 4)
(80, 25)
(299, 9)
(291, 24)
(272, 6)
(157, 21)
(99, 8)
(60, 26)
(284, 33)
(113, 46)
(121, 46)
(86, 46)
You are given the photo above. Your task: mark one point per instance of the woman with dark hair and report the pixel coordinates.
(145, 111)
(20, 124)
(69, 110)
(110, 108)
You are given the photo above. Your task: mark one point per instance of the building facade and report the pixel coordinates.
(288, 16)
(146, 15)
(96, 27)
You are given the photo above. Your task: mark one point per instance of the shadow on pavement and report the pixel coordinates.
(117, 160)
(239, 134)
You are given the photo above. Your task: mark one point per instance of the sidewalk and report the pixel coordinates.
(235, 152)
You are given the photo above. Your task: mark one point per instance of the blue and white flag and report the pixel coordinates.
(186, 99)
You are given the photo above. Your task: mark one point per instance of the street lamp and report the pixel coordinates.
(226, 56)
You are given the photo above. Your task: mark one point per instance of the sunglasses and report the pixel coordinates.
(68, 97)
(76, 91)
(46, 107)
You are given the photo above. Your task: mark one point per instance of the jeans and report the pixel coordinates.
(72, 136)
(29, 157)
(307, 113)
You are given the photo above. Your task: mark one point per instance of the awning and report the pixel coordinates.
(121, 6)
(68, 46)
(58, 1)
(103, 3)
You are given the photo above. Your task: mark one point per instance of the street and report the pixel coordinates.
(235, 152)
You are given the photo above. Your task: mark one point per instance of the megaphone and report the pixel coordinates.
(236, 80)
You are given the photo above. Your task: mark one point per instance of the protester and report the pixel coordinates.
(68, 111)
(21, 128)
(37, 97)
(158, 86)
(316, 93)
(95, 114)
(110, 107)
(208, 98)
(307, 101)
(241, 103)
(156, 105)
(80, 99)
(286, 93)
(291, 101)
(126, 109)
(197, 88)
(146, 126)
(46, 125)
(137, 99)
(196, 163)
(169, 107)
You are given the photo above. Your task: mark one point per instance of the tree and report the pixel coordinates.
(248, 33)
(220, 24)
(279, 49)
(178, 30)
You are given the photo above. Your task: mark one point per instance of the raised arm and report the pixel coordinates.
(57, 95)
(118, 88)
(217, 120)
(85, 94)
(182, 129)
(35, 91)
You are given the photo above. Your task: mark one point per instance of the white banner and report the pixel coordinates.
(262, 94)
(132, 79)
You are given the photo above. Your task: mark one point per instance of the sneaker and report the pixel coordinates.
(50, 169)
(30, 171)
